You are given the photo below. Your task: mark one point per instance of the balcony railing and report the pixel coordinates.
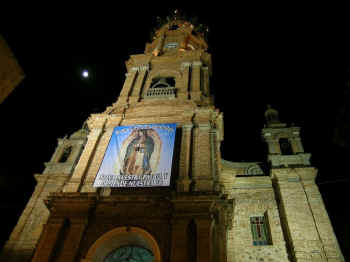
(161, 92)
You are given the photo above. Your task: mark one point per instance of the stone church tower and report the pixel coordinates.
(212, 211)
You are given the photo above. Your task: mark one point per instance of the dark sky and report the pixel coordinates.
(293, 57)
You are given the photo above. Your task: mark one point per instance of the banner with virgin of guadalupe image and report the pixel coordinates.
(138, 156)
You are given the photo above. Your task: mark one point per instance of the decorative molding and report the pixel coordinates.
(197, 63)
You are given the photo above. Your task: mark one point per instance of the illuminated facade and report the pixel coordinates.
(213, 209)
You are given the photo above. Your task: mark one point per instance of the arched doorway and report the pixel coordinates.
(124, 243)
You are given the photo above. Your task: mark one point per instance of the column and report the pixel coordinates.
(182, 91)
(196, 81)
(74, 183)
(127, 87)
(136, 92)
(179, 243)
(48, 240)
(184, 181)
(96, 161)
(203, 239)
(72, 240)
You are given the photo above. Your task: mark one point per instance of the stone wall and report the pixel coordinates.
(252, 196)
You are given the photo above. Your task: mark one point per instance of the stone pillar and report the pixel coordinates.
(72, 240)
(127, 87)
(196, 81)
(74, 184)
(136, 92)
(182, 92)
(96, 161)
(179, 244)
(201, 164)
(47, 243)
(184, 181)
(203, 239)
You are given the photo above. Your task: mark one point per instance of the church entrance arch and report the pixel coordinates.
(132, 239)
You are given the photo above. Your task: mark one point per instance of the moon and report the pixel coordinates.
(85, 73)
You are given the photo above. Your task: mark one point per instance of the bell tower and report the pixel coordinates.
(304, 219)
(90, 218)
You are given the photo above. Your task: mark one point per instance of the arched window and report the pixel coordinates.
(286, 148)
(162, 87)
(163, 82)
(130, 254)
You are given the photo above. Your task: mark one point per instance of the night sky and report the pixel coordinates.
(296, 59)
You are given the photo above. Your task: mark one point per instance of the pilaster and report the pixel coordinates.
(96, 161)
(75, 182)
(322, 221)
(184, 181)
(296, 144)
(183, 91)
(298, 218)
(72, 240)
(203, 239)
(201, 153)
(196, 81)
(136, 92)
(205, 77)
(127, 87)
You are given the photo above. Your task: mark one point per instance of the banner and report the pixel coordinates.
(138, 156)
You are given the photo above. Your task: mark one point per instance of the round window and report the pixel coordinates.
(130, 254)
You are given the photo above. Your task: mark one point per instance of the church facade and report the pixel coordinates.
(204, 209)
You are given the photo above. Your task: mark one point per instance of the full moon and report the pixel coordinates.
(85, 73)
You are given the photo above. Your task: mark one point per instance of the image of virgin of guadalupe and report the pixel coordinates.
(139, 152)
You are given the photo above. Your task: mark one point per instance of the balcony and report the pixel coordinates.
(161, 92)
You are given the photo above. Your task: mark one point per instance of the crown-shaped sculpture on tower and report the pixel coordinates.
(186, 35)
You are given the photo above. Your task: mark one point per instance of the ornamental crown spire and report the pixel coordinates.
(177, 33)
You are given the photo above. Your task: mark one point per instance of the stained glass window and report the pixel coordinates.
(260, 231)
(130, 254)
